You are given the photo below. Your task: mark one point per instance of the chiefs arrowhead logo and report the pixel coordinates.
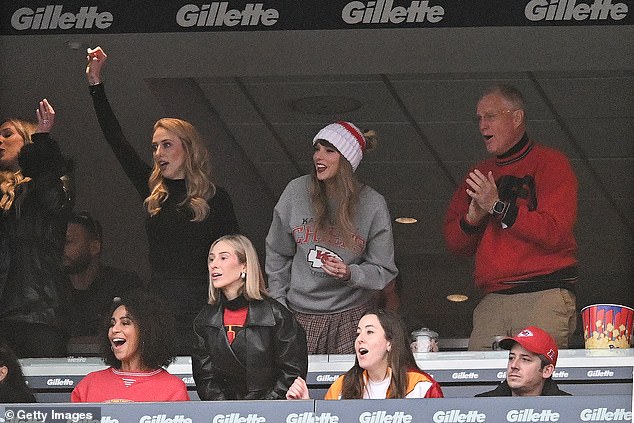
(317, 254)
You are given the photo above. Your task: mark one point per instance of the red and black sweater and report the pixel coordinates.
(534, 238)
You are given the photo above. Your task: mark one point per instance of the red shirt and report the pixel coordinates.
(234, 321)
(112, 385)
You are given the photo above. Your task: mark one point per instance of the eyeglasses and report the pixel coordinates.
(492, 117)
(88, 222)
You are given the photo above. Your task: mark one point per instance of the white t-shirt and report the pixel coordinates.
(378, 390)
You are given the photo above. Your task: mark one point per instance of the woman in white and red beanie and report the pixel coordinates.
(330, 244)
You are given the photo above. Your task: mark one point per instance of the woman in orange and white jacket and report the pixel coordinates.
(384, 366)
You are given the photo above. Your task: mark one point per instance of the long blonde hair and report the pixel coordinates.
(197, 172)
(254, 287)
(10, 180)
(346, 188)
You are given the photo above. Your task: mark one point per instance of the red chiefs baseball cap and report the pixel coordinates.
(535, 340)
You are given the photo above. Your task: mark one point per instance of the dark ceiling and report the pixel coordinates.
(260, 97)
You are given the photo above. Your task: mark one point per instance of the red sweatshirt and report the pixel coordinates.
(111, 385)
(535, 237)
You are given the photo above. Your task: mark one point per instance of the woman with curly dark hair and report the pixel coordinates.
(137, 345)
(13, 388)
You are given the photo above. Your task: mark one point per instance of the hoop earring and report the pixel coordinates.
(243, 276)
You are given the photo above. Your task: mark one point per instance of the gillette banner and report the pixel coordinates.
(117, 17)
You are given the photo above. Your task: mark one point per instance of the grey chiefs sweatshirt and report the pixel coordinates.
(294, 248)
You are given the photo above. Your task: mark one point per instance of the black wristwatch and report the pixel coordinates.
(498, 208)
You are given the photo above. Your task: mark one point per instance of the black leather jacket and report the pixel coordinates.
(272, 346)
(32, 236)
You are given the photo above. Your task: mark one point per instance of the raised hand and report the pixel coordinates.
(95, 58)
(45, 117)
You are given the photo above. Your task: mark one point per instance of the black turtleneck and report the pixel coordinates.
(237, 303)
(517, 147)
(177, 247)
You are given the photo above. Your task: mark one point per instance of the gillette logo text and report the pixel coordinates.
(384, 11)
(570, 10)
(219, 14)
(53, 17)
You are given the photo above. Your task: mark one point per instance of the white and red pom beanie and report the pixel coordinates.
(347, 138)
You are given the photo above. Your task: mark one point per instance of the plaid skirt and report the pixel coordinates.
(331, 333)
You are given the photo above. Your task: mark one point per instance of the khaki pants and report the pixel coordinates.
(553, 310)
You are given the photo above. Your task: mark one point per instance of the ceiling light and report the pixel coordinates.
(405, 220)
(457, 298)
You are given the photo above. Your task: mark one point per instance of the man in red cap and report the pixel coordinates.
(532, 359)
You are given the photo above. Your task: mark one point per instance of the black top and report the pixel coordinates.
(178, 248)
(503, 390)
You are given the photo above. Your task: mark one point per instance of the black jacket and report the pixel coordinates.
(32, 236)
(502, 390)
(263, 361)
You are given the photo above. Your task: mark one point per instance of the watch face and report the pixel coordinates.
(498, 207)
